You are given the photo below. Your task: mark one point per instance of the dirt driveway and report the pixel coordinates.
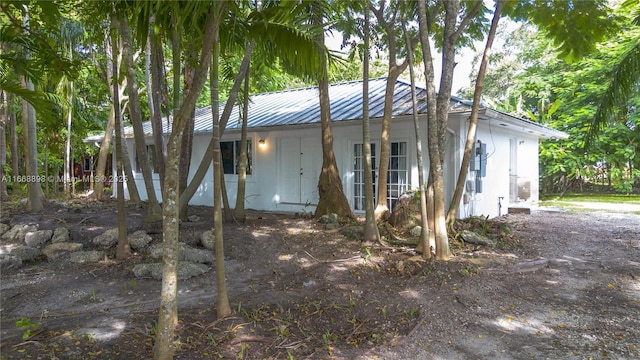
(566, 285)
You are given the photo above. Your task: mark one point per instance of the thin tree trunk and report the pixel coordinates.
(157, 84)
(435, 168)
(103, 155)
(473, 121)
(13, 144)
(35, 195)
(132, 187)
(67, 152)
(238, 211)
(3, 147)
(395, 70)
(168, 312)
(187, 138)
(371, 232)
(123, 250)
(423, 242)
(223, 308)
(207, 158)
(154, 210)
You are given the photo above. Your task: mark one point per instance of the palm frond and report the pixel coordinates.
(623, 84)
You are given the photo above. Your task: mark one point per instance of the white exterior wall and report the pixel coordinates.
(269, 188)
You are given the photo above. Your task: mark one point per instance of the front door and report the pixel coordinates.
(299, 170)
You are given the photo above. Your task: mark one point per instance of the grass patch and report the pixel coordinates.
(555, 199)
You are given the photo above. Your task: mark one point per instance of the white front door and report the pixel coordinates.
(299, 170)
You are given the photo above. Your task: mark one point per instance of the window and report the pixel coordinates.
(151, 158)
(358, 174)
(397, 175)
(231, 156)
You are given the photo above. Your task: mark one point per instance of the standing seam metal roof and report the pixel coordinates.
(301, 106)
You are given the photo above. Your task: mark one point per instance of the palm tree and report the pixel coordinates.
(624, 81)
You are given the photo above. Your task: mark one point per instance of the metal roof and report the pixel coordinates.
(301, 106)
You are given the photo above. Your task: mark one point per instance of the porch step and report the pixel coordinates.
(519, 210)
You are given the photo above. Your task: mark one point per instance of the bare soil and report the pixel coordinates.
(558, 285)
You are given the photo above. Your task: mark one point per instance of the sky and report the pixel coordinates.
(460, 75)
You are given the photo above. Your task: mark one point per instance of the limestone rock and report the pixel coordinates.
(186, 253)
(353, 232)
(139, 240)
(18, 232)
(60, 234)
(53, 251)
(26, 253)
(8, 262)
(81, 257)
(416, 231)
(186, 270)
(4, 228)
(38, 237)
(474, 238)
(208, 239)
(108, 238)
(194, 218)
(328, 219)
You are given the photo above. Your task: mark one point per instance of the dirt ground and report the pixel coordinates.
(558, 285)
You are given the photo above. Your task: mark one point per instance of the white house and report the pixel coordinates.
(286, 153)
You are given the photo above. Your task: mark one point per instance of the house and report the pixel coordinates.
(285, 150)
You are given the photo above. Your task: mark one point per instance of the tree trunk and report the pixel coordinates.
(67, 153)
(332, 198)
(4, 196)
(223, 308)
(35, 195)
(103, 153)
(371, 232)
(207, 158)
(238, 211)
(123, 250)
(187, 137)
(168, 312)
(154, 211)
(155, 98)
(473, 121)
(395, 70)
(423, 242)
(13, 144)
(132, 187)
(435, 168)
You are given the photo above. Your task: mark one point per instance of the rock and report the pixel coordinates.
(406, 211)
(81, 257)
(108, 238)
(332, 226)
(53, 251)
(26, 253)
(208, 239)
(416, 231)
(474, 238)
(328, 219)
(4, 228)
(18, 232)
(194, 218)
(8, 262)
(139, 240)
(186, 270)
(186, 253)
(60, 234)
(353, 232)
(38, 237)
